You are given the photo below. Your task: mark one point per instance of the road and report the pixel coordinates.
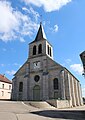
(10, 110)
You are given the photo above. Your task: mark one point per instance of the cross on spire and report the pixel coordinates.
(40, 19)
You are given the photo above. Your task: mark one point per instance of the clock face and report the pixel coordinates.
(36, 65)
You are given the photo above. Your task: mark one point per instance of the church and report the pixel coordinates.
(40, 78)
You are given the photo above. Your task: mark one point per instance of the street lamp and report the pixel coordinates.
(82, 56)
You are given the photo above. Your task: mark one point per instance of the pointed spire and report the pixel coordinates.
(40, 34)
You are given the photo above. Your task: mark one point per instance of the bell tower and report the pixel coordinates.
(40, 46)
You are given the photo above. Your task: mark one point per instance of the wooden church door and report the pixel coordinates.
(36, 93)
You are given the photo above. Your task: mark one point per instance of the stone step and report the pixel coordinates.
(39, 104)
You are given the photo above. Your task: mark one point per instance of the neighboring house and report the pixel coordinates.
(5, 88)
(41, 78)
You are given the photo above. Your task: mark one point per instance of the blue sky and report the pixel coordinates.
(64, 26)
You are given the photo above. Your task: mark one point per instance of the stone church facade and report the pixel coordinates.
(41, 78)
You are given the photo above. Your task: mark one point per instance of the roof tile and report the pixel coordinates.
(4, 79)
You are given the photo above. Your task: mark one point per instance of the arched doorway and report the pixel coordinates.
(36, 93)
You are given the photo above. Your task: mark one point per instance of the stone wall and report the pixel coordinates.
(59, 103)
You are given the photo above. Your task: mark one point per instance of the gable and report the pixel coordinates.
(22, 70)
(52, 64)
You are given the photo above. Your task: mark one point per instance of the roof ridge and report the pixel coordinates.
(4, 79)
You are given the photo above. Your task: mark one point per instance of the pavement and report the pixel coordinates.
(12, 110)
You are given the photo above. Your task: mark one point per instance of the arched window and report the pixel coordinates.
(21, 87)
(50, 52)
(34, 50)
(55, 83)
(48, 49)
(40, 49)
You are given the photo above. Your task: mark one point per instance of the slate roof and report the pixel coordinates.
(40, 34)
(83, 53)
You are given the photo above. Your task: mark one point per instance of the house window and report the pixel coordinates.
(2, 86)
(40, 49)
(2, 93)
(34, 50)
(21, 87)
(9, 87)
(55, 82)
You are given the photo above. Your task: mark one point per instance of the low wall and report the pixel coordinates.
(59, 103)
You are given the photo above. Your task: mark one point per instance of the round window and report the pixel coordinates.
(36, 78)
